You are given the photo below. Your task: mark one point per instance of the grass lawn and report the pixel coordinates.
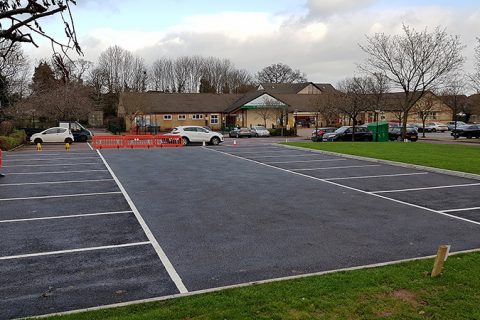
(444, 156)
(403, 291)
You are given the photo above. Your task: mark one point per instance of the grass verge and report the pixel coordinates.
(452, 157)
(402, 291)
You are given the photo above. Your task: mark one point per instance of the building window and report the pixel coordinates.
(197, 116)
(214, 119)
(167, 117)
(182, 117)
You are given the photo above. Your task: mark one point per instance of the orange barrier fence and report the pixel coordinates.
(136, 141)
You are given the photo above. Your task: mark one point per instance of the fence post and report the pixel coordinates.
(442, 255)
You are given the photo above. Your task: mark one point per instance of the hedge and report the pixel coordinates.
(13, 140)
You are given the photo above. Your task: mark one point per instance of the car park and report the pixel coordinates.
(55, 134)
(451, 124)
(317, 134)
(395, 133)
(241, 132)
(260, 131)
(345, 133)
(436, 127)
(198, 134)
(468, 131)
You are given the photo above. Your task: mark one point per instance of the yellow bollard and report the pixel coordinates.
(67, 146)
(39, 147)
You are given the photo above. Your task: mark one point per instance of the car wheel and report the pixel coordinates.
(469, 137)
(185, 141)
(215, 141)
(434, 130)
(238, 136)
(37, 141)
(68, 140)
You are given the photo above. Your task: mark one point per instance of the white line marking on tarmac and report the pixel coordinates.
(50, 159)
(63, 196)
(65, 217)
(344, 167)
(459, 210)
(353, 189)
(161, 254)
(379, 176)
(263, 152)
(305, 161)
(56, 172)
(53, 182)
(428, 188)
(41, 254)
(293, 155)
(18, 154)
(89, 145)
(53, 165)
(247, 284)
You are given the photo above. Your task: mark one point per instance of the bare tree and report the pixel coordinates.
(415, 61)
(265, 113)
(454, 96)
(325, 106)
(280, 73)
(475, 76)
(20, 19)
(355, 99)
(424, 108)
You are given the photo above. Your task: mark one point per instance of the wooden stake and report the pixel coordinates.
(442, 255)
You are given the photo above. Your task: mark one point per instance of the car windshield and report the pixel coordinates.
(260, 128)
(342, 129)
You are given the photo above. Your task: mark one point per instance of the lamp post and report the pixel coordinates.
(377, 115)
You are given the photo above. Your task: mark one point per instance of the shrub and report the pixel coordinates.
(6, 128)
(13, 140)
(278, 132)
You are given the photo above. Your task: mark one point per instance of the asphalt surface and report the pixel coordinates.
(222, 215)
(69, 239)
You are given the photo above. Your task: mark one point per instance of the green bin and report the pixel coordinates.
(379, 130)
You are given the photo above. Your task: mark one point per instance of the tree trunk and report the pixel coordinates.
(404, 127)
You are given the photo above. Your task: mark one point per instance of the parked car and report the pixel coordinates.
(468, 131)
(317, 134)
(56, 134)
(345, 133)
(198, 134)
(395, 133)
(241, 132)
(419, 127)
(260, 131)
(451, 124)
(436, 126)
(80, 133)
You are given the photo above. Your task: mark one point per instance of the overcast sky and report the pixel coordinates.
(319, 37)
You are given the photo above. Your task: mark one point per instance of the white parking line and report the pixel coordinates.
(20, 256)
(263, 152)
(459, 210)
(89, 145)
(161, 254)
(428, 188)
(66, 217)
(53, 182)
(50, 159)
(344, 167)
(55, 172)
(63, 196)
(52, 165)
(354, 189)
(305, 161)
(379, 176)
(17, 154)
(278, 156)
